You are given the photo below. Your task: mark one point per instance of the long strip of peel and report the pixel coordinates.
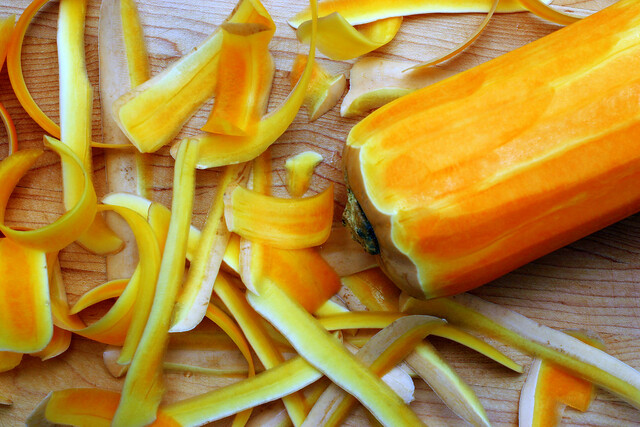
(66, 229)
(548, 389)
(374, 82)
(379, 320)
(364, 11)
(278, 222)
(447, 384)
(324, 352)
(10, 128)
(340, 40)
(59, 343)
(193, 300)
(103, 292)
(587, 362)
(76, 104)
(143, 387)
(245, 75)
(267, 386)
(115, 327)
(82, 407)
(385, 349)
(220, 150)
(6, 30)
(377, 293)
(58, 296)
(123, 64)
(544, 11)
(461, 46)
(14, 67)
(25, 313)
(153, 113)
(259, 338)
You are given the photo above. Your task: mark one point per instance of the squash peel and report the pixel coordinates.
(340, 40)
(299, 172)
(324, 89)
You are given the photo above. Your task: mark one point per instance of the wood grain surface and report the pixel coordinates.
(593, 283)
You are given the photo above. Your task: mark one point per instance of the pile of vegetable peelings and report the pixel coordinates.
(269, 299)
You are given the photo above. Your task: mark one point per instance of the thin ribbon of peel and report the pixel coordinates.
(281, 223)
(25, 313)
(385, 349)
(115, 327)
(364, 11)
(6, 30)
(462, 46)
(220, 318)
(317, 346)
(60, 342)
(300, 169)
(76, 104)
(373, 289)
(193, 300)
(143, 387)
(253, 328)
(544, 11)
(339, 40)
(379, 320)
(62, 318)
(548, 389)
(275, 383)
(83, 407)
(103, 292)
(447, 384)
(154, 112)
(14, 67)
(71, 225)
(324, 89)
(245, 75)
(11, 129)
(473, 313)
(220, 150)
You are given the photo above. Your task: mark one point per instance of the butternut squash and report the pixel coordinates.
(465, 180)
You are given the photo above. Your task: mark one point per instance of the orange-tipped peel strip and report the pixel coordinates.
(76, 103)
(374, 82)
(245, 74)
(11, 129)
(103, 292)
(193, 300)
(152, 114)
(475, 314)
(340, 40)
(115, 327)
(364, 11)
(83, 407)
(324, 89)
(220, 150)
(253, 328)
(318, 347)
(548, 389)
(25, 313)
(69, 226)
(387, 348)
(6, 30)
(143, 387)
(282, 223)
(300, 170)
(59, 343)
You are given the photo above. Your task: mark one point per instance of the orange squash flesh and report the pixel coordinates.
(470, 178)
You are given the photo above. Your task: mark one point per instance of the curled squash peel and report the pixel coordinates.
(465, 180)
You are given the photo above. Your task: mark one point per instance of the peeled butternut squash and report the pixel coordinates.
(465, 180)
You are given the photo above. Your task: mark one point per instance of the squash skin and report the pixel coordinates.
(530, 165)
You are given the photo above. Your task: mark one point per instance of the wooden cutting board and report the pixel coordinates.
(593, 283)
